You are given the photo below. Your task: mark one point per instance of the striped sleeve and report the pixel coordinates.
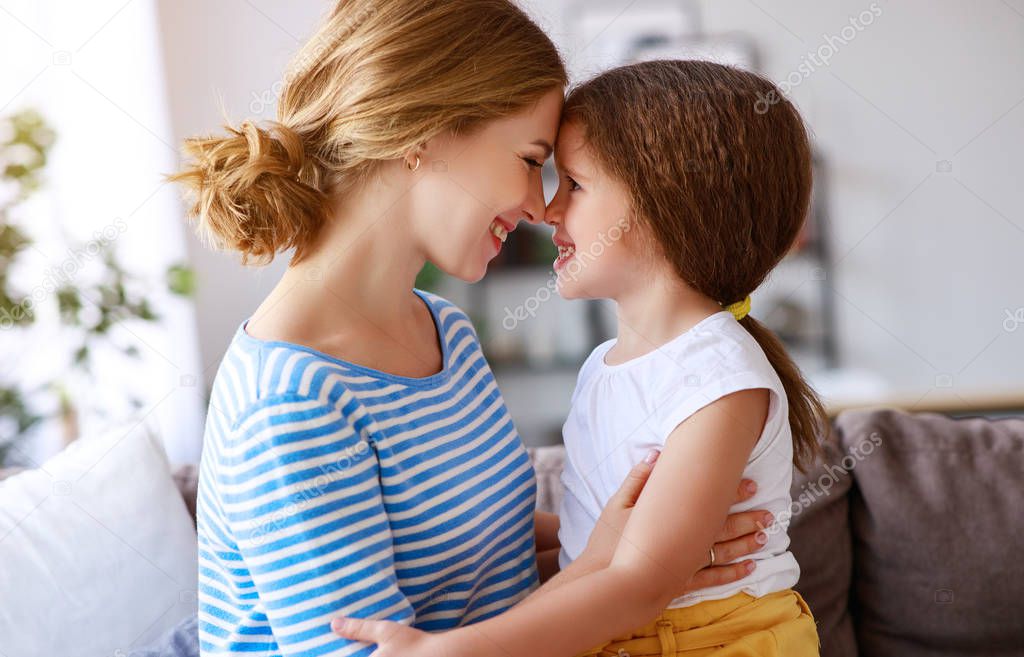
(302, 498)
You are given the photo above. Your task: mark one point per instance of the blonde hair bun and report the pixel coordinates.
(253, 190)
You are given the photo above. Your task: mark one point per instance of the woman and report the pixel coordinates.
(358, 458)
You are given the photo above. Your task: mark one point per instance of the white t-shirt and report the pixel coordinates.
(619, 412)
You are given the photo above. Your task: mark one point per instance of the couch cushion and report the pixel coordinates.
(186, 478)
(819, 533)
(97, 551)
(547, 464)
(9, 472)
(937, 533)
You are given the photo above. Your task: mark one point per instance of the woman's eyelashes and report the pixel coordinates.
(533, 162)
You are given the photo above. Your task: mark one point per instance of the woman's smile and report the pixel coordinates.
(500, 230)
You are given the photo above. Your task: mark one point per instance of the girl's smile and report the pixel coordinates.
(566, 252)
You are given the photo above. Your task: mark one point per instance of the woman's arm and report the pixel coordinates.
(546, 530)
(547, 544)
(547, 566)
(664, 542)
(301, 494)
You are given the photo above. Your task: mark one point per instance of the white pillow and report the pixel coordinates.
(98, 554)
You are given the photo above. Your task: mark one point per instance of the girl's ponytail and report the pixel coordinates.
(807, 417)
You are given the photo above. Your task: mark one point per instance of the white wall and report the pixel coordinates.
(229, 53)
(94, 72)
(930, 261)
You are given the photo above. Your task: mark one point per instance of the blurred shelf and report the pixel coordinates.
(521, 368)
(937, 400)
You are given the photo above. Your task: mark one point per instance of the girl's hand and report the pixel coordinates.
(393, 639)
(737, 538)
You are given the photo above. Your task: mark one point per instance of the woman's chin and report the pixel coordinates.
(461, 268)
(469, 272)
(476, 278)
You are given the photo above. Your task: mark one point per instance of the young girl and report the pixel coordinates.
(679, 193)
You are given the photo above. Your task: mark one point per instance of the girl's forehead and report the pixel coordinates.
(570, 147)
(569, 140)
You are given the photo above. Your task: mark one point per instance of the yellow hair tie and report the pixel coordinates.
(739, 309)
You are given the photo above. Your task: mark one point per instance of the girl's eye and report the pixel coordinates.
(573, 185)
(533, 163)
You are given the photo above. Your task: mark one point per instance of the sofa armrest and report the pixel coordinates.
(186, 478)
(547, 464)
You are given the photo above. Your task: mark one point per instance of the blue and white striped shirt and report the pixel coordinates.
(327, 488)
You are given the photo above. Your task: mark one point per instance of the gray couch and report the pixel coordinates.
(909, 533)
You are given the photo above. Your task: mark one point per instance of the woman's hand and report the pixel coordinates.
(737, 538)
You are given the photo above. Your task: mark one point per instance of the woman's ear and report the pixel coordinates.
(413, 161)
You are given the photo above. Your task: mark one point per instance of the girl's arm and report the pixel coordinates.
(664, 542)
(737, 538)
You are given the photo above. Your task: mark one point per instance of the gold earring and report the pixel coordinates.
(413, 168)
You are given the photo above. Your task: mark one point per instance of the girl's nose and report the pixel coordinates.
(551, 215)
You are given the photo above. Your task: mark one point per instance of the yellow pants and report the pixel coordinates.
(777, 624)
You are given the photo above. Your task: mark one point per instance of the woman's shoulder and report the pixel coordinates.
(452, 320)
(442, 306)
(256, 376)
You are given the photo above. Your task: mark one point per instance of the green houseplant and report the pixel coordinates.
(85, 309)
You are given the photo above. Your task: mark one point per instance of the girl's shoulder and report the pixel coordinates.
(713, 358)
(719, 343)
(596, 357)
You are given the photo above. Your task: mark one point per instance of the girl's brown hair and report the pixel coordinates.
(719, 181)
(377, 79)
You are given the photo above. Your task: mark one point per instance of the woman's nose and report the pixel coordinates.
(533, 206)
(531, 219)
